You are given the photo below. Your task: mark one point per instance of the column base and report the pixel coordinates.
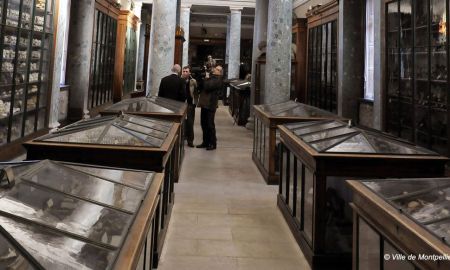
(250, 123)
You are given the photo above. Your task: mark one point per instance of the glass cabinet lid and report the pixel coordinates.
(332, 136)
(294, 109)
(126, 130)
(66, 217)
(425, 201)
(241, 84)
(149, 105)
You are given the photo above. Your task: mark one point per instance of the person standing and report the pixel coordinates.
(172, 86)
(208, 102)
(191, 99)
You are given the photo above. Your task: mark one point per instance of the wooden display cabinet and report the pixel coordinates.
(299, 38)
(322, 50)
(266, 137)
(120, 141)
(74, 224)
(125, 63)
(239, 106)
(316, 158)
(160, 108)
(401, 217)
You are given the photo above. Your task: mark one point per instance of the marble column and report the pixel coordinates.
(278, 56)
(139, 34)
(79, 56)
(379, 63)
(162, 43)
(140, 59)
(63, 14)
(234, 53)
(350, 57)
(184, 22)
(259, 35)
(227, 46)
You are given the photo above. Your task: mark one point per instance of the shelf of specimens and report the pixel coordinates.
(26, 34)
(68, 216)
(417, 72)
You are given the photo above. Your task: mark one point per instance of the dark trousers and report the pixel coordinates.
(208, 127)
(190, 118)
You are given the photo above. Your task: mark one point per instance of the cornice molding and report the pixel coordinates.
(223, 3)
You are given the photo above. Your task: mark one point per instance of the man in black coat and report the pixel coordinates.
(173, 86)
(208, 101)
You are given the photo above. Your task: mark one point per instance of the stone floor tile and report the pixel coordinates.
(271, 264)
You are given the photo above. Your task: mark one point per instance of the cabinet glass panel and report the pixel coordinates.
(309, 204)
(368, 247)
(266, 146)
(292, 176)
(11, 257)
(130, 61)
(103, 51)
(299, 189)
(285, 174)
(339, 226)
(54, 250)
(322, 66)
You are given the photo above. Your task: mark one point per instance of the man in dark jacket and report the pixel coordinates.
(208, 101)
(173, 86)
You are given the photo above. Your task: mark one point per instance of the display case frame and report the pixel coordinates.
(312, 196)
(135, 250)
(26, 42)
(265, 154)
(379, 221)
(141, 157)
(322, 48)
(160, 108)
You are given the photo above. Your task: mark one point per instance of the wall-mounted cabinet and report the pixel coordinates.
(26, 39)
(103, 54)
(417, 72)
(126, 53)
(316, 159)
(322, 57)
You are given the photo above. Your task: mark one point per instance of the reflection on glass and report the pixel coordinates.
(354, 144)
(11, 257)
(309, 204)
(65, 213)
(285, 179)
(118, 136)
(85, 186)
(55, 251)
(323, 145)
(86, 136)
(136, 179)
(441, 229)
(149, 105)
(339, 226)
(314, 128)
(327, 134)
(368, 247)
(390, 189)
(267, 134)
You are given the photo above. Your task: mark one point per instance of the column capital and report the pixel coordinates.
(235, 9)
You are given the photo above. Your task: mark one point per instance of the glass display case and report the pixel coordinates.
(120, 141)
(266, 138)
(417, 73)
(316, 158)
(401, 217)
(103, 58)
(58, 215)
(239, 106)
(322, 56)
(156, 107)
(26, 38)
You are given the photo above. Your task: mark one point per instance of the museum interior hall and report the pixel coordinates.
(225, 134)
